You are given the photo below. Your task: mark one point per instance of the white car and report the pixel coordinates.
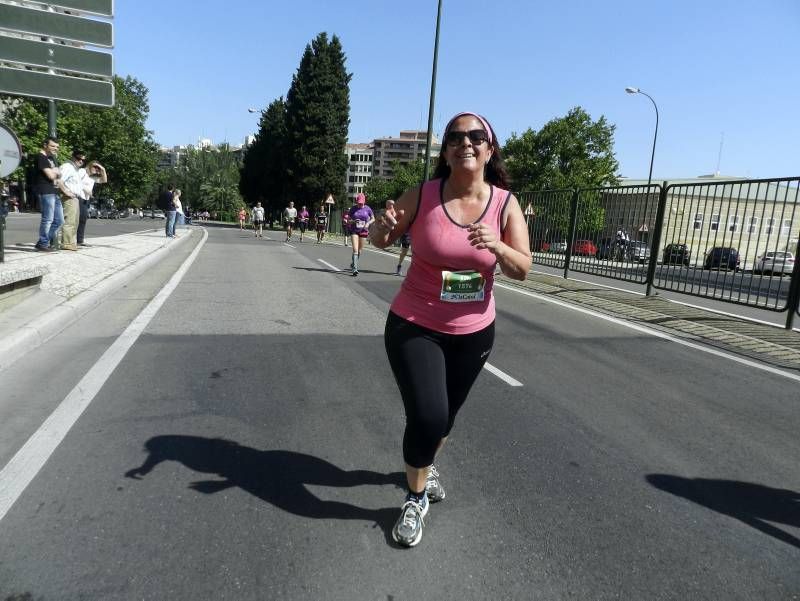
(157, 214)
(778, 261)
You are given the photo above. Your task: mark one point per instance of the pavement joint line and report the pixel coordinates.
(26, 463)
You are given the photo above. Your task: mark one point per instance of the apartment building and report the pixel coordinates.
(359, 169)
(409, 147)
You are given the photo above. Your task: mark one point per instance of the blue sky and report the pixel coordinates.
(715, 69)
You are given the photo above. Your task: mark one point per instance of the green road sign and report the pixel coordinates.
(95, 7)
(64, 27)
(19, 82)
(56, 56)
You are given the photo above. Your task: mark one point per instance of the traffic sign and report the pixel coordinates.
(56, 56)
(10, 151)
(329, 200)
(104, 8)
(21, 82)
(34, 21)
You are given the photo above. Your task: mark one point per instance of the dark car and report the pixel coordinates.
(722, 257)
(638, 251)
(611, 248)
(677, 254)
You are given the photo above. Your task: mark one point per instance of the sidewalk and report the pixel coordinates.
(72, 283)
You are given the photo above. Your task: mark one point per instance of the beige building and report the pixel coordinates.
(359, 169)
(713, 211)
(409, 147)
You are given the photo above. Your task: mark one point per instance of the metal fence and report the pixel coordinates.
(733, 241)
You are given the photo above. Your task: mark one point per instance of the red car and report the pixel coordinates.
(584, 248)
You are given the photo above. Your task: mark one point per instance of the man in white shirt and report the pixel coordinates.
(289, 215)
(71, 187)
(258, 219)
(94, 173)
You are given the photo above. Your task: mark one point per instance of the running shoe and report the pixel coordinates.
(433, 487)
(398, 271)
(407, 530)
(355, 272)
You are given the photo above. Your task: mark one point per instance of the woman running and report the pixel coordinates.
(321, 223)
(360, 217)
(440, 328)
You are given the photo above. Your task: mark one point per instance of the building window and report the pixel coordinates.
(752, 226)
(353, 158)
(714, 224)
(787, 227)
(733, 223)
(698, 221)
(769, 226)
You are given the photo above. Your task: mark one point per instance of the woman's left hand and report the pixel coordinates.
(481, 236)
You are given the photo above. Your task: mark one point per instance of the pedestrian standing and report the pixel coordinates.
(71, 187)
(165, 204)
(44, 187)
(360, 217)
(258, 220)
(93, 173)
(180, 216)
(440, 327)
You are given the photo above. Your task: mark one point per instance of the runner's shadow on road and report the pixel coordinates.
(753, 504)
(277, 477)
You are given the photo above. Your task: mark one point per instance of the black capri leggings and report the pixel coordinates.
(434, 372)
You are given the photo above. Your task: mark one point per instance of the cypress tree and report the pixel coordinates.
(317, 119)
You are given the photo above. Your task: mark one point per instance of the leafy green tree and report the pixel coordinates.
(567, 153)
(116, 136)
(405, 176)
(318, 117)
(208, 179)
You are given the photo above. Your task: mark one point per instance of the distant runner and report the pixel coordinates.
(321, 223)
(405, 241)
(302, 218)
(289, 215)
(360, 217)
(258, 220)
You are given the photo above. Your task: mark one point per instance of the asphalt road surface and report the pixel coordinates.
(247, 446)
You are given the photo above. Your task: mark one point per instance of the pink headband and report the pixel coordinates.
(485, 123)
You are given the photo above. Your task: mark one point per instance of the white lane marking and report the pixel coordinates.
(502, 375)
(657, 334)
(328, 265)
(287, 244)
(26, 463)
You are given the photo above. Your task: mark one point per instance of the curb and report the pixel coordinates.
(54, 321)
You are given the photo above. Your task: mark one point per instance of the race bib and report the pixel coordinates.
(462, 286)
(360, 224)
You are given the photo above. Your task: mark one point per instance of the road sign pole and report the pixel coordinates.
(51, 118)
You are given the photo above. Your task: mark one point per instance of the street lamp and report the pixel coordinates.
(631, 90)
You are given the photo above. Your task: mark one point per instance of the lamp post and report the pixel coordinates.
(631, 90)
(433, 95)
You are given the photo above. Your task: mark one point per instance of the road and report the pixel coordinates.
(247, 446)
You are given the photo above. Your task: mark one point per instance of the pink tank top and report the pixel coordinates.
(432, 295)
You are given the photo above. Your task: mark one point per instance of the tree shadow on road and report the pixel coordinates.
(753, 504)
(278, 477)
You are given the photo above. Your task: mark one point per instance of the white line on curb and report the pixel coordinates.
(502, 375)
(328, 265)
(26, 463)
(657, 334)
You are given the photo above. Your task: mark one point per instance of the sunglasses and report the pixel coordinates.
(476, 136)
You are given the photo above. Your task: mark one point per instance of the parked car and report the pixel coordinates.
(93, 212)
(777, 261)
(677, 254)
(559, 245)
(611, 248)
(157, 214)
(584, 248)
(722, 257)
(638, 251)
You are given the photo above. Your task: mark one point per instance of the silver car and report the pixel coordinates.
(777, 261)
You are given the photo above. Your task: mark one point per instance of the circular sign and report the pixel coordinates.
(10, 151)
